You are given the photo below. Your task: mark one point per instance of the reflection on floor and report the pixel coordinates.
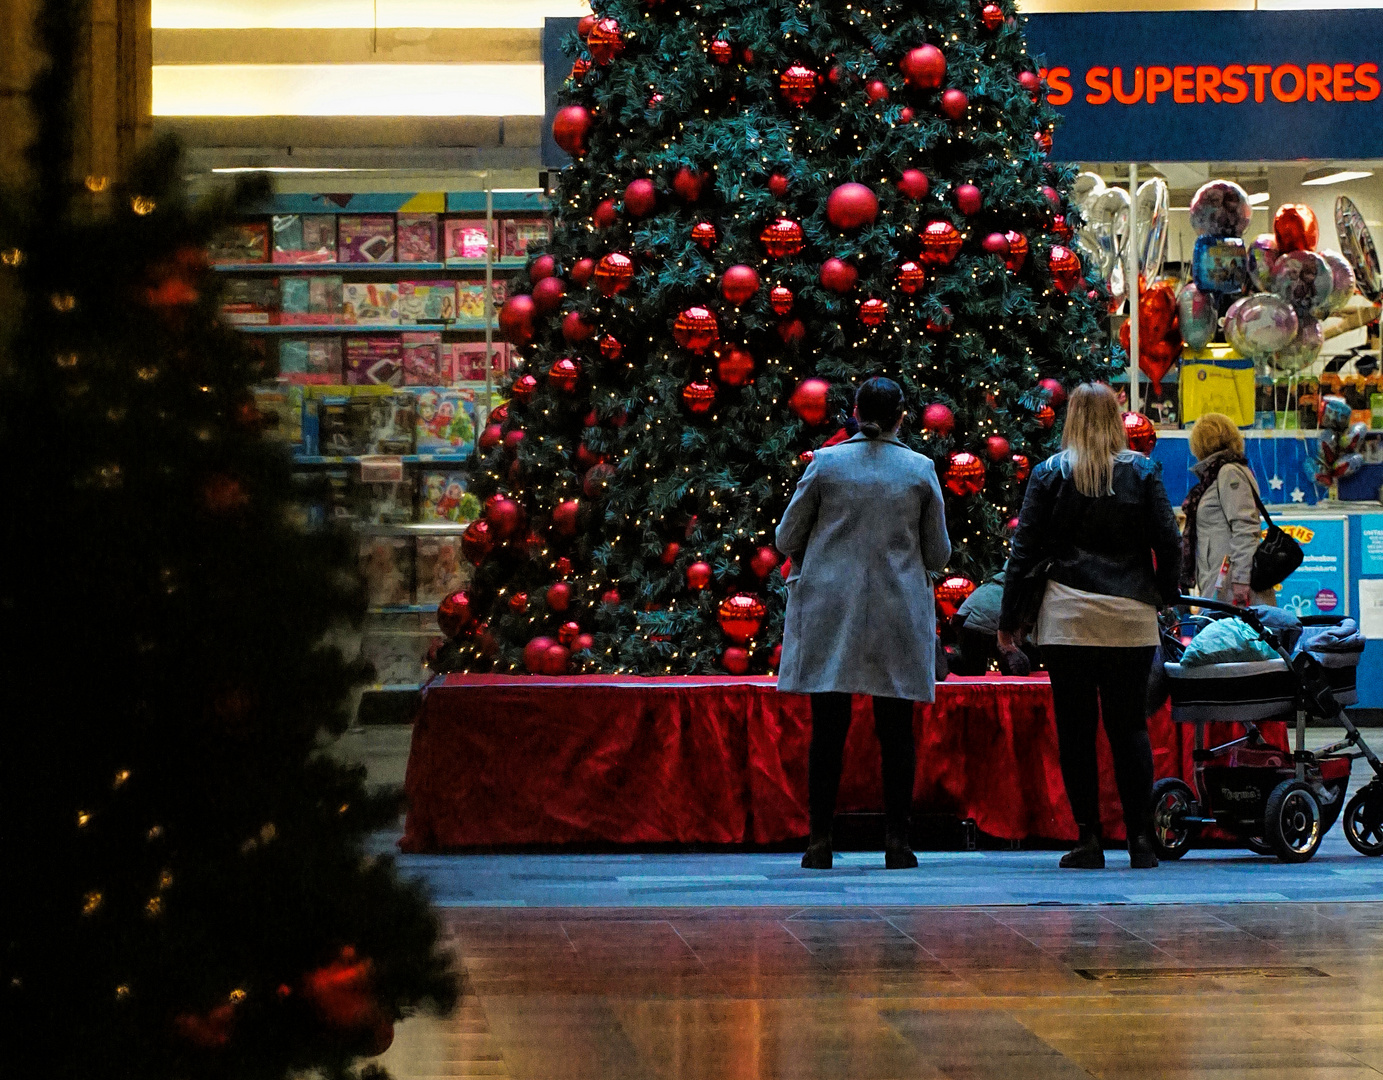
(1281, 991)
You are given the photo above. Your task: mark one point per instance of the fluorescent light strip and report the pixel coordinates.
(348, 90)
(360, 14)
(1338, 177)
(1259, 198)
(292, 169)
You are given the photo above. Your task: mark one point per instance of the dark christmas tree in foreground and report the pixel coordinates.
(186, 891)
(770, 201)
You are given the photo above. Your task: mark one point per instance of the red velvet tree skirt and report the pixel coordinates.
(499, 760)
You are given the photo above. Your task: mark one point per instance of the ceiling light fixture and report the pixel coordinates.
(1321, 177)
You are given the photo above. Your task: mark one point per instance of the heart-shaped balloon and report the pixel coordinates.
(1156, 359)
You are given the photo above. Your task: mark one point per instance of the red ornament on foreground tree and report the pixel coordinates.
(1142, 435)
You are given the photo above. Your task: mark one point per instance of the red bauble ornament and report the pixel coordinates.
(558, 596)
(776, 656)
(477, 541)
(454, 614)
(940, 323)
(613, 273)
(640, 198)
(606, 41)
(504, 515)
(580, 68)
(876, 90)
(1030, 82)
(924, 67)
(764, 562)
(1043, 139)
(938, 418)
(951, 593)
(564, 517)
(597, 479)
(1022, 467)
(568, 632)
(688, 184)
(500, 413)
(873, 312)
(809, 401)
(563, 374)
(563, 567)
(605, 215)
(1061, 228)
(535, 655)
(704, 235)
(1142, 436)
(739, 283)
(954, 103)
(914, 184)
(1045, 416)
(547, 295)
(581, 271)
(1017, 251)
(1065, 267)
(852, 206)
(964, 474)
(610, 347)
(778, 185)
(571, 127)
(911, 277)
(734, 366)
(839, 75)
(699, 397)
(992, 15)
(905, 116)
(610, 598)
(741, 616)
(698, 575)
(523, 388)
(838, 276)
(782, 238)
(670, 552)
(575, 328)
(1052, 196)
(781, 298)
(722, 52)
(342, 994)
(583, 643)
(735, 660)
(792, 331)
(968, 199)
(1056, 393)
(490, 437)
(996, 446)
(518, 603)
(996, 243)
(941, 243)
(516, 319)
(799, 83)
(586, 25)
(544, 266)
(696, 330)
(556, 659)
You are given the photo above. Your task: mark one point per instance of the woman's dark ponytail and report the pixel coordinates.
(879, 406)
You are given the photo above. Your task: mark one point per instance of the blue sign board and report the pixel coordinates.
(1212, 85)
(556, 67)
(1371, 548)
(1320, 586)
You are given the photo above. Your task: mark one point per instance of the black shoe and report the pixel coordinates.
(1140, 853)
(818, 856)
(898, 856)
(1086, 855)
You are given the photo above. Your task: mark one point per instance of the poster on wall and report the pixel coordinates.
(1372, 547)
(1320, 586)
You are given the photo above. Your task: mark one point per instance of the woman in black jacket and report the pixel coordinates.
(1096, 516)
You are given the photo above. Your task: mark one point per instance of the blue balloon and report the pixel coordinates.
(1220, 264)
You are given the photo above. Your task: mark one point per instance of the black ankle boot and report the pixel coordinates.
(897, 851)
(1140, 851)
(818, 856)
(1088, 854)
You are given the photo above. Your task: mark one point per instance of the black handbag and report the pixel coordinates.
(1032, 587)
(1277, 555)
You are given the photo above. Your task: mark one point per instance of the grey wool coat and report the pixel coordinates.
(863, 529)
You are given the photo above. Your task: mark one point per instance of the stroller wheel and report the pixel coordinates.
(1364, 820)
(1292, 821)
(1172, 801)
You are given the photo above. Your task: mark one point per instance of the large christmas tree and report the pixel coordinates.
(769, 202)
(186, 888)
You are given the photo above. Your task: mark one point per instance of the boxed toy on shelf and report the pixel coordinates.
(386, 564)
(381, 424)
(440, 567)
(446, 421)
(422, 359)
(388, 502)
(310, 300)
(280, 408)
(1358, 390)
(315, 360)
(365, 238)
(370, 303)
(243, 242)
(467, 238)
(251, 301)
(520, 237)
(427, 301)
(466, 360)
(416, 238)
(442, 496)
(376, 360)
(470, 299)
(304, 238)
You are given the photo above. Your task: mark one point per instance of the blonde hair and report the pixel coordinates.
(1093, 435)
(1212, 433)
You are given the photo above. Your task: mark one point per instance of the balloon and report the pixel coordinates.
(1107, 225)
(1357, 244)
(1349, 464)
(1304, 348)
(1220, 208)
(1153, 202)
(1260, 325)
(1342, 281)
(1353, 440)
(1304, 280)
(1157, 311)
(1295, 227)
(1156, 358)
(1262, 254)
(1335, 412)
(1219, 264)
(1196, 316)
(1328, 445)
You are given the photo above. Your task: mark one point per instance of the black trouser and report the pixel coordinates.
(893, 725)
(1094, 683)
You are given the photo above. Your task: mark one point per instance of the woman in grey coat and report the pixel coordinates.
(865, 526)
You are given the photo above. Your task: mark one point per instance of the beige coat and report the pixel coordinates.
(1227, 523)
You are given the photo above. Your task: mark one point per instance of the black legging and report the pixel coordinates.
(1091, 684)
(830, 723)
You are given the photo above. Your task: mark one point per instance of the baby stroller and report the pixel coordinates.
(1279, 802)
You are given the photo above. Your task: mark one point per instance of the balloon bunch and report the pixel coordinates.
(1159, 332)
(1104, 237)
(1338, 451)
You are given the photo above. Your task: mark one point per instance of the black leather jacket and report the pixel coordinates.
(1124, 544)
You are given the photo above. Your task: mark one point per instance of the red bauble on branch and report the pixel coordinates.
(605, 215)
(547, 295)
(610, 598)
(610, 347)
(778, 185)
(739, 283)
(1043, 138)
(454, 614)
(741, 616)
(1142, 436)
(670, 552)
(924, 67)
(799, 84)
(1045, 416)
(838, 276)
(1030, 82)
(586, 25)
(734, 366)
(564, 517)
(996, 243)
(518, 603)
(781, 298)
(873, 312)
(571, 127)
(1022, 467)
(792, 331)
(698, 575)
(964, 474)
(809, 401)
(688, 184)
(782, 238)
(1065, 267)
(490, 437)
(735, 660)
(951, 592)
(516, 319)
(939, 324)
(504, 515)
(1052, 196)
(968, 199)
(544, 266)
(342, 995)
(558, 596)
(914, 184)
(938, 418)
(852, 206)
(698, 396)
(606, 41)
(535, 655)
(581, 271)
(523, 388)
(704, 235)
(876, 90)
(640, 198)
(613, 273)
(911, 277)
(941, 243)
(992, 15)
(1056, 393)
(597, 479)
(764, 562)
(954, 103)
(722, 52)
(996, 446)
(1061, 228)
(1017, 251)
(580, 68)
(575, 328)
(696, 330)
(477, 541)
(563, 374)
(568, 632)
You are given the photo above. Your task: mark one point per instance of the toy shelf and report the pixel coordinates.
(406, 459)
(363, 268)
(404, 609)
(461, 326)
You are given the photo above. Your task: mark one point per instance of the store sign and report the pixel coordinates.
(1320, 586)
(1213, 85)
(1372, 547)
